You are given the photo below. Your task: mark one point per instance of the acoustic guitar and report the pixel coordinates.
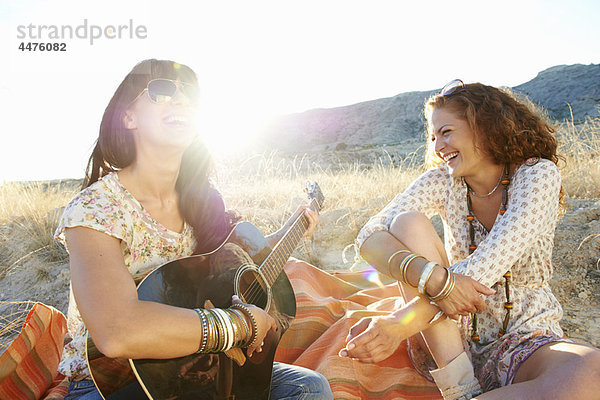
(245, 265)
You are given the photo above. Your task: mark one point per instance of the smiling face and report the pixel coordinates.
(167, 124)
(454, 142)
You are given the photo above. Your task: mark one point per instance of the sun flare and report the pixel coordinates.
(229, 131)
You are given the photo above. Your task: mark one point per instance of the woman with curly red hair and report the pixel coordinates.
(495, 183)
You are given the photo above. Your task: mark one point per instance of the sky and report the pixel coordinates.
(259, 59)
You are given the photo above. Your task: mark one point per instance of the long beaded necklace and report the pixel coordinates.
(508, 305)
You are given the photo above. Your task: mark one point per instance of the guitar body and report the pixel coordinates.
(190, 283)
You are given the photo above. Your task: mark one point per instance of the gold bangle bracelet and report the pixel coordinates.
(389, 264)
(252, 320)
(212, 334)
(404, 267)
(228, 328)
(448, 287)
(235, 323)
(243, 327)
(438, 296)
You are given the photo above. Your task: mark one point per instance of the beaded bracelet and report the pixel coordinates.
(389, 264)
(426, 273)
(204, 322)
(252, 319)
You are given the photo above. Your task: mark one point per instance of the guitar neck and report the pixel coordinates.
(274, 263)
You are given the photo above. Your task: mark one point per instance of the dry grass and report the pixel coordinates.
(580, 145)
(12, 317)
(272, 183)
(266, 189)
(29, 214)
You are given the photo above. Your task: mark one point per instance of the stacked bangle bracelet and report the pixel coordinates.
(402, 270)
(448, 287)
(224, 329)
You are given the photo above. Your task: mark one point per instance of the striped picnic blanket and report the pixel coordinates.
(328, 304)
(28, 367)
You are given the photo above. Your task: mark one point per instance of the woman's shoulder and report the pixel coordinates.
(539, 173)
(435, 177)
(101, 191)
(98, 207)
(437, 172)
(536, 166)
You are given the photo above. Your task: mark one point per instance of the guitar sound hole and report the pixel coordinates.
(252, 289)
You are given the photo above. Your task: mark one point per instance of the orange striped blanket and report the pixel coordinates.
(28, 366)
(328, 304)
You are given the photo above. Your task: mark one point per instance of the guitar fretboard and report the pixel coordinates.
(274, 263)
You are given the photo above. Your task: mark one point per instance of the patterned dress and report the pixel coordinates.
(520, 241)
(106, 206)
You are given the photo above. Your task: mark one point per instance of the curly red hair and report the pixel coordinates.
(506, 128)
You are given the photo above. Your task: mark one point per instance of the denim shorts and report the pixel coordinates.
(289, 382)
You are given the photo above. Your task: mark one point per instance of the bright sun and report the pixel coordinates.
(228, 131)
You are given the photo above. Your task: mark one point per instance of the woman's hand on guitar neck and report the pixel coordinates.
(311, 215)
(264, 324)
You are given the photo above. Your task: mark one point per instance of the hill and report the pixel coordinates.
(396, 119)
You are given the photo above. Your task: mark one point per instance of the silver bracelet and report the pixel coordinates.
(227, 328)
(437, 316)
(425, 275)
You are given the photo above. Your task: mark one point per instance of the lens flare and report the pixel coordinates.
(408, 318)
(370, 274)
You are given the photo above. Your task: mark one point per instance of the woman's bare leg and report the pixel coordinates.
(555, 371)
(415, 231)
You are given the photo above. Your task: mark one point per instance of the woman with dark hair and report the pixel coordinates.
(481, 301)
(148, 200)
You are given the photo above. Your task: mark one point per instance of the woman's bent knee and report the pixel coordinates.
(405, 224)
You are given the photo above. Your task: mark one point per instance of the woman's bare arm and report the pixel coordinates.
(119, 323)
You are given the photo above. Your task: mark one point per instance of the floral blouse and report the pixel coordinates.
(521, 241)
(108, 207)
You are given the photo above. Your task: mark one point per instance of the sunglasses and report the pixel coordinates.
(453, 87)
(163, 91)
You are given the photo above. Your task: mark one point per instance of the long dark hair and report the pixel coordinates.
(200, 204)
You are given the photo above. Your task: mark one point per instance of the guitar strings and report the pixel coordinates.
(255, 290)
